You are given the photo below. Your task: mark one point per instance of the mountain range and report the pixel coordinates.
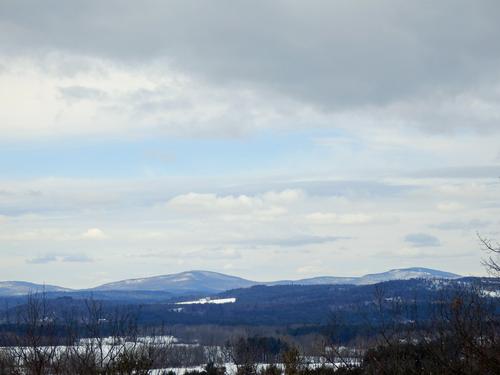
(207, 282)
(17, 288)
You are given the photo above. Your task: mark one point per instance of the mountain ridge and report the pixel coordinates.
(188, 281)
(210, 282)
(20, 288)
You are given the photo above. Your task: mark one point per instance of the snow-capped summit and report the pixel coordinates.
(406, 274)
(394, 274)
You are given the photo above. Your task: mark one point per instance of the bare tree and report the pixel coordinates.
(97, 342)
(492, 262)
(35, 348)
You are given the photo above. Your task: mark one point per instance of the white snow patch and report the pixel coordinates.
(491, 293)
(205, 300)
(181, 279)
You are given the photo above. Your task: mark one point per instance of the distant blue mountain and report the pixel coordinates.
(406, 274)
(213, 282)
(394, 274)
(181, 283)
(19, 288)
(206, 282)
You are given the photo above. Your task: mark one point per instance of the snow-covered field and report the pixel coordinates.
(111, 346)
(232, 369)
(205, 300)
(491, 293)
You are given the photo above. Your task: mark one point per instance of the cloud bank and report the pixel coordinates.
(326, 137)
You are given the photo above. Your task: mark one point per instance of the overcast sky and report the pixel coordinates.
(265, 139)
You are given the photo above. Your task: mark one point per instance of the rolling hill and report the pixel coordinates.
(181, 283)
(19, 288)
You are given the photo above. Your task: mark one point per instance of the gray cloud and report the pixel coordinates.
(331, 188)
(219, 254)
(422, 240)
(462, 225)
(81, 93)
(73, 194)
(76, 258)
(42, 259)
(293, 241)
(307, 50)
(478, 171)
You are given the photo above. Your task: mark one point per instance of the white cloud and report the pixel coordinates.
(51, 258)
(284, 197)
(253, 228)
(267, 204)
(212, 202)
(310, 270)
(449, 206)
(333, 218)
(94, 234)
(112, 99)
(21, 234)
(422, 240)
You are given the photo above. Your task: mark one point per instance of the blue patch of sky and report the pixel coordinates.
(267, 151)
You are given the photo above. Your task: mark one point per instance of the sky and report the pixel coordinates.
(264, 139)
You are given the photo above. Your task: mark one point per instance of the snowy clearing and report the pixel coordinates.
(205, 300)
